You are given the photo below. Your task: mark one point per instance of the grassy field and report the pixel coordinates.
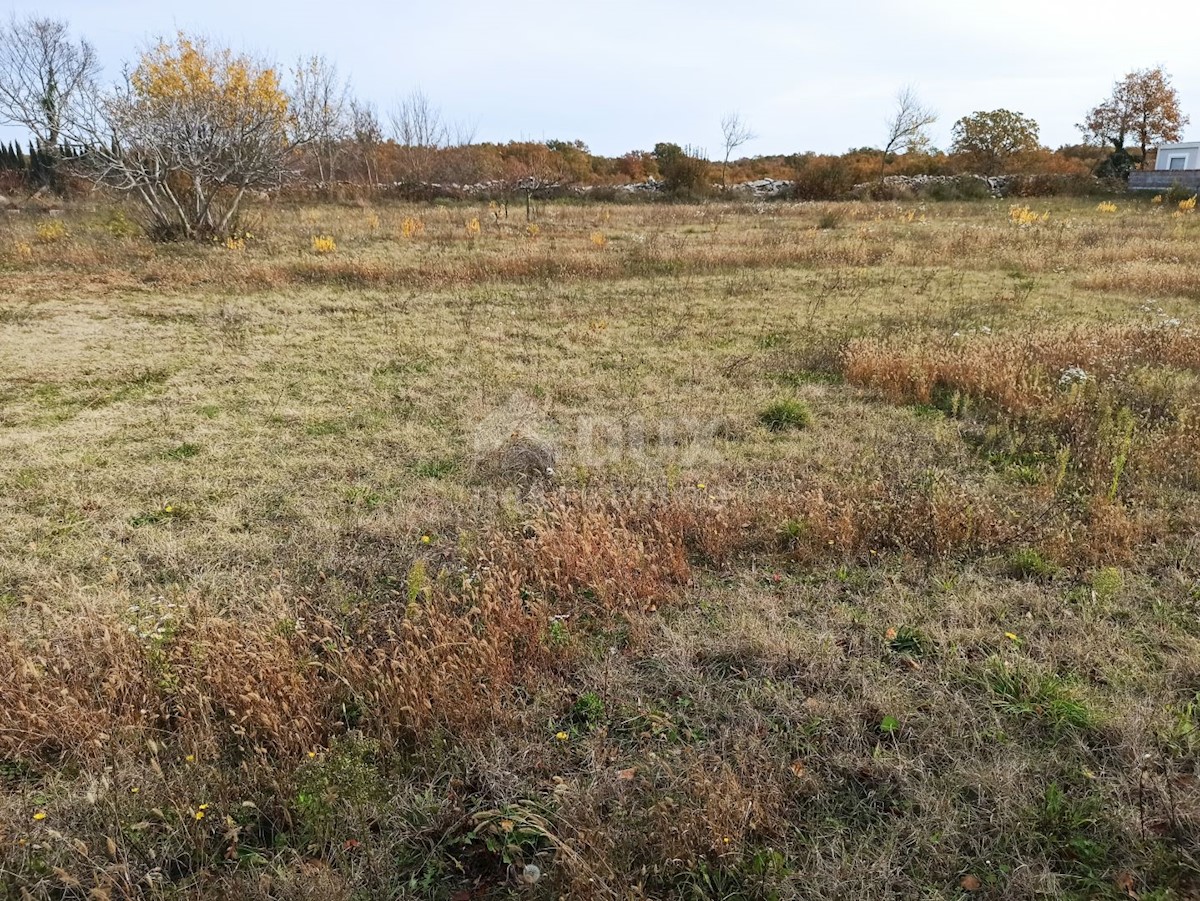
(780, 551)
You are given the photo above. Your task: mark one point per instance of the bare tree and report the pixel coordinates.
(416, 122)
(420, 131)
(321, 101)
(908, 126)
(461, 134)
(735, 133)
(44, 76)
(367, 134)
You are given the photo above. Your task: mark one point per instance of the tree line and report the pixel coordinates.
(192, 128)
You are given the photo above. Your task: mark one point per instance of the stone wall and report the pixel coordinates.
(1164, 179)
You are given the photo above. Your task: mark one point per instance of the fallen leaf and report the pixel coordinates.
(970, 883)
(798, 768)
(1126, 883)
(627, 775)
(890, 634)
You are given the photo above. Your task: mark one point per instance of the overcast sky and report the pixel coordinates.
(624, 74)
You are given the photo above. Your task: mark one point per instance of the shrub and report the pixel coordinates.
(830, 218)
(965, 187)
(1028, 563)
(1177, 194)
(323, 244)
(51, 232)
(1055, 186)
(1107, 582)
(786, 414)
(684, 170)
(121, 226)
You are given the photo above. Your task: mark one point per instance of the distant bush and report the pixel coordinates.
(823, 178)
(965, 187)
(1059, 186)
(684, 170)
(879, 190)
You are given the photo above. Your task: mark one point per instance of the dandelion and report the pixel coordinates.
(1011, 636)
(425, 539)
(701, 485)
(191, 758)
(40, 815)
(323, 244)
(562, 736)
(312, 755)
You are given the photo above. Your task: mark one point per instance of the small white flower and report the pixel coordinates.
(1072, 375)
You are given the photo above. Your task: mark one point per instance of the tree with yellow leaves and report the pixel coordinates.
(191, 130)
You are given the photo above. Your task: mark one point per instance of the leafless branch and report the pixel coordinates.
(43, 76)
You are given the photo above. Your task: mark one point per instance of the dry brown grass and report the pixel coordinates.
(284, 612)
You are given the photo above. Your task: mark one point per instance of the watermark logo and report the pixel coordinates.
(520, 428)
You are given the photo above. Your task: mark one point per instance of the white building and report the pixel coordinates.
(1176, 157)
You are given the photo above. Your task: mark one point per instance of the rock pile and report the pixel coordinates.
(997, 185)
